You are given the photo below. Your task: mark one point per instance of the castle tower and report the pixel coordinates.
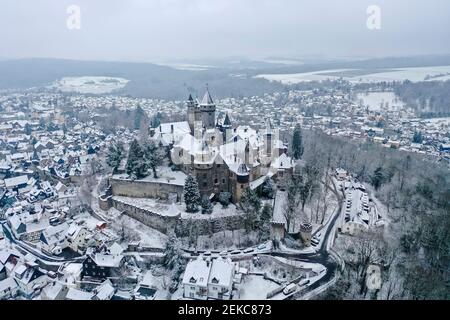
(242, 180)
(208, 110)
(191, 110)
(226, 128)
(268, 134)
(305, 233)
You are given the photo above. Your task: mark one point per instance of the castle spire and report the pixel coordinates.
(207, 100)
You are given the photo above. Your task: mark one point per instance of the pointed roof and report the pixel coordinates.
(190, 101)
(268, 126)
(227, 121)
(207, 100)
(243, 170)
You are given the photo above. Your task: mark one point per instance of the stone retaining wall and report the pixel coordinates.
(144, 189)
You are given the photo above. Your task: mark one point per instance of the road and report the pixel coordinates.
(44, 258)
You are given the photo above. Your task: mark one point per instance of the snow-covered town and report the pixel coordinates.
(193, 209)
(219, 152)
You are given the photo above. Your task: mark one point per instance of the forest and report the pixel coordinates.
(414, 248)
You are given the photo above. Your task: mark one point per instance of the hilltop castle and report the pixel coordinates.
(224, 158)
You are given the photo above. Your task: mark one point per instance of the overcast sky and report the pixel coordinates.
(155, 30)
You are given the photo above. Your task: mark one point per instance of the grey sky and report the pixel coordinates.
(154, 30)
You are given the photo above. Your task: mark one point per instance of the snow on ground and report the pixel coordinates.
(413, 74)
(296, 251)
(149, 237)
(437, 73)
(95, 85)
(176, 209)
(89, 221)
(316, 267)
(151, 205)
(302, 77)
(165, 175)
(374, 100)
(254, 287)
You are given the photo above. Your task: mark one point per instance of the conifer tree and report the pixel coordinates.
(297, 143)
(136, 166)
(192, 196)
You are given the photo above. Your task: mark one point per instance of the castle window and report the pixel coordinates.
(223, 181)
(218, 166)
(216, 181)
(205, 184)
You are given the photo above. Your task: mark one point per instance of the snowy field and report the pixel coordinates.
(412, 74)
(165, 175)
(255, 287)
(186, 66)
(302, 77)
(438, 73)
(376, 100)
(93, 85)
(148, 237)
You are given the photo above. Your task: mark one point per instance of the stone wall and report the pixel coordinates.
(154, 220)
(181, 225)
(209, 225)
(144, 189)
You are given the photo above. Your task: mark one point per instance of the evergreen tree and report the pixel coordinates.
(207, 207)
(264, 225)
(297, 143)
(153, 156)
(417, 138)
(251, 205)
(139, 113)
(192, 196)
(268, 188)
(156, 120)
(377, 178)
(115, 155)
(28, 129)
(136, 166)
(224, 199)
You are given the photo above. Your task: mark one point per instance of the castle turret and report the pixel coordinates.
(208, 110)
(268, 134)
(305, 233)
(191, 111)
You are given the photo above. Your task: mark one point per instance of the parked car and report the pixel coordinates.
(290, 289)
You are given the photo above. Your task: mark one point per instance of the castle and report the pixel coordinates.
(224, 158)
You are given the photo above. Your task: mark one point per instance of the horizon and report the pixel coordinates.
(159, 31)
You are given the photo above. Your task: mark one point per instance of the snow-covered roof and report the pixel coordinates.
(282, 162)
(197, 272)
(105, 291)
(221, 272)
(75, 294)
(16, 181)
(207, 100)
(108, 260)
